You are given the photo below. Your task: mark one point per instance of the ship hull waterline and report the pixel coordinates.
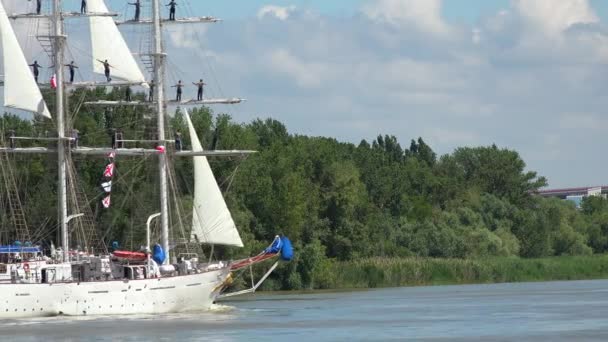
(187, 293)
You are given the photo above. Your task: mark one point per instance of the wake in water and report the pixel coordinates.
(208, 315)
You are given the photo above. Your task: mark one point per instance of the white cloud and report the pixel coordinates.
(423, 14)
(553, 17)
(279, 12)
(304, 74)
(506, 80)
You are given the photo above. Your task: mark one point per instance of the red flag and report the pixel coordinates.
(109, 171)
(54, 82)
(106, 202)
(160, 149)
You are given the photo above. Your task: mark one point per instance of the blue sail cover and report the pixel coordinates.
(287, 249)
(275, 247)
(6, 249)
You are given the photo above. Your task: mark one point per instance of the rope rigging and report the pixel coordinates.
(76, 51)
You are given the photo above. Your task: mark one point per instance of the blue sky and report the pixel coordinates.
(454, 10)
(477, 72)
(528, 75)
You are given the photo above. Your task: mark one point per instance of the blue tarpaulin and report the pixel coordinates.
(18, 249)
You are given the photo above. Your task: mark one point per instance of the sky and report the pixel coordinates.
(527, 75)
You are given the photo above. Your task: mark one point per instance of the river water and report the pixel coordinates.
(554, 311)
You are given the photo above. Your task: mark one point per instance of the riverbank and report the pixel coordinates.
(394, 272)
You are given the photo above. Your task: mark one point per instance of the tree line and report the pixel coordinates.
(337, 201)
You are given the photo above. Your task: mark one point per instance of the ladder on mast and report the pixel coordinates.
(83, 227)
(44, 32)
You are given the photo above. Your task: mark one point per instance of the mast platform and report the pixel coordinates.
(89, 14)
(118, 103)
(94, 84)
(105, 84)
(64, 14)
(234, 100)
(187, 20)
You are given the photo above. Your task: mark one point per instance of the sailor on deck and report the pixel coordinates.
(172, 5)
(71, 67)
(35, 70)
(38, 6)
(83, 6)
(137, 5)
(178, 96)
(199, 84)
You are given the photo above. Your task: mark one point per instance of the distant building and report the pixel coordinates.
(575, 195)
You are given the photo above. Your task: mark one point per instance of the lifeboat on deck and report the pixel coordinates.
(130, 256)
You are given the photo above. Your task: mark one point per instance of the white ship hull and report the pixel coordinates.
(195, 292)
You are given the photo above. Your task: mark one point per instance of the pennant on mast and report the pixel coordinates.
(106, 202)
(109, 171)
(107, 186)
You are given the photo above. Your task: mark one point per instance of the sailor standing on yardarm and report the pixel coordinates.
(172, 5)
(35, 70)
(151, 91)
(106, 69)
(128, 94)
(71, 68)
(178, 96)
(137, 5)
(199, 94)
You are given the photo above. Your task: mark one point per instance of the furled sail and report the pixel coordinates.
(211, 220)
(20, 88)
(108, 44)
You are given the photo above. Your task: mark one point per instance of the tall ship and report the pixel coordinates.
(79, 274)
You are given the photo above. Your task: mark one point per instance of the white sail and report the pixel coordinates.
(20, 88)
(211, 220)
(108, 44)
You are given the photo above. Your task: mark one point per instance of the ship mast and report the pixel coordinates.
(59, 40)
(160, 110)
